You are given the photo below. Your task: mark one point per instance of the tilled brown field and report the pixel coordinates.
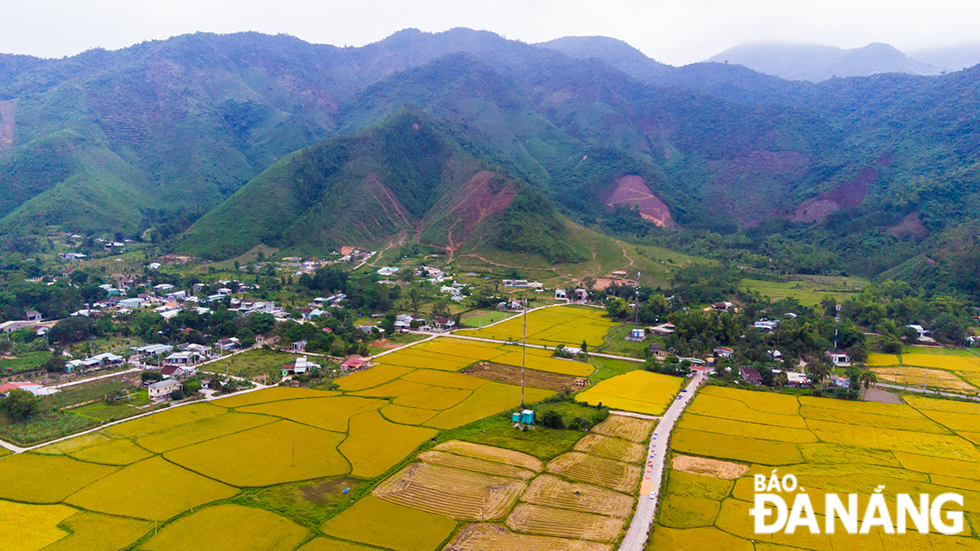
(489, 453)
(613, 448)
(554, 492)
(457, 494)
(490, 537)
(476, 465)
(621, 426)
(597, 470)
(511, 375)
(563, 523)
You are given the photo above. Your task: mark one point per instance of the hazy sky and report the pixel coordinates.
(674, 31)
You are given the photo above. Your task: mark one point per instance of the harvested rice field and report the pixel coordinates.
(616, 475)
(627, 428)
(636, 391)
(548, 521)
(708, 467)
(490, 453)
(510, 374)
(568, 325)
(926, 446)
(612, 448)
(476, 465)
(552, 491)
(452, 493)
(491, 537)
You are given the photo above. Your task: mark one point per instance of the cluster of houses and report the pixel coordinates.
(572, 295)
(32, 319)
(523, 283)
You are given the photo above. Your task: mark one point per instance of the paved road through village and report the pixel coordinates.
(646, 506)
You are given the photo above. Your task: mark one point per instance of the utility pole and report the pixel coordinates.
(294, 451)
(836, 324)
(523, 352)
(636, 318)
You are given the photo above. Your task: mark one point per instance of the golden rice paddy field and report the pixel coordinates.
(727, 436)
(946, 369)
(177, 479)
(569, 325)
(637, 391)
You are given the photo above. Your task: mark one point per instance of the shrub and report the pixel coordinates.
(552, 419)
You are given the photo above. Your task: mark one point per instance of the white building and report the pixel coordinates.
(163, 389)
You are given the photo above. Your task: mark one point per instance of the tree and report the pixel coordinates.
(19, 404)
(868, 378)
(781, 379)
(818, 371)
(552, 420)
(151, 376)
(415, 297)
(55, 364)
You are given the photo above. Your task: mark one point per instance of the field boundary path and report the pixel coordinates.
(538, 346)
(921, 390)
(646, 509)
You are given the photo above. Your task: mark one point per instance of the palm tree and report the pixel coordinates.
(868, 378)
(818, 371)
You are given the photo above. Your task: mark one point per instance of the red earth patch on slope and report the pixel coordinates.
(479, 202)
(633, 191)
(910, 228)
(847, 194)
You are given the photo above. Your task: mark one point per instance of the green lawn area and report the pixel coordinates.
(28, 361)
(616, 343)
(479, 318)
(498, 431)
(607, 368)
(809, 291)
(252, 363)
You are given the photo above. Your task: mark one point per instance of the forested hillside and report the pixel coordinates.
(866, 176)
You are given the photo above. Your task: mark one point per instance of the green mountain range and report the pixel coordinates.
(293, 144)
(404, 177)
